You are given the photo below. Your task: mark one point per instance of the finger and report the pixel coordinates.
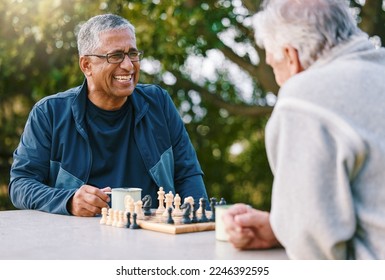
(89, 200)
(96, 197)
(253, 218)
(106, 189)
(231, 213)
(241, 239)
(237, 209)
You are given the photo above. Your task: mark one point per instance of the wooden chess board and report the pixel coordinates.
(158, 223)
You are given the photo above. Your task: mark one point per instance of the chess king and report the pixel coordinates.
(108, 131)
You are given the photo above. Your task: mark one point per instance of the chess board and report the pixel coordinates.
(158, 223)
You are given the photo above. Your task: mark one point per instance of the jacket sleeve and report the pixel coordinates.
(28, 188)
(314, 156)
(188, 177)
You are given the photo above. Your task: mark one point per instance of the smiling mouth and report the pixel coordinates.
(124, 78)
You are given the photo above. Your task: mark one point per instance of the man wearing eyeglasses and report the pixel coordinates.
(109, 132)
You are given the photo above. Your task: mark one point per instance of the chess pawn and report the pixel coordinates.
(213, 202)
(115, 218)
(177, 202)
(103, 220)
(169, 214)
(125, 218)
(161, 198)
(134, 225)
(120, 222)
(203, 218)
(110, 217)
(139, 210)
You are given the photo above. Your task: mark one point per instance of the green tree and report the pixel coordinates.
(202, 52)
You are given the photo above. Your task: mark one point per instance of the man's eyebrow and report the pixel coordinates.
(120, 50)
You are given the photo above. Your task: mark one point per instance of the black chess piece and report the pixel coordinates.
(128, 215)
(194, 219)
(186, 213)
(222, 201)
(134, 225)
(169, 219)
(213, 201)
(203, 218)
(147, 202)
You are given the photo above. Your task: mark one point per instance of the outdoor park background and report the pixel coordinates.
(202, 52)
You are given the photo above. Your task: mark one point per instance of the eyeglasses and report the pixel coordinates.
(118, 57)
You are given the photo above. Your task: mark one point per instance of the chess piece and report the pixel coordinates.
(194, 218)
(190, 200)
(147, 201)
(120, 222)
(131, 205)
(138, 210)
(161, 198)
(222, 201)
(110, 217)
(127, 199)
(169, 199)
(169, 212)
(199, 211)
(134, 225)
(213, 201)
(128, 215)
(177, 202)
(203, 218)
(115, 218)
(103, 220)
(186, 213)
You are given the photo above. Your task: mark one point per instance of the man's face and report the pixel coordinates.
(112, 83)
(280, 67)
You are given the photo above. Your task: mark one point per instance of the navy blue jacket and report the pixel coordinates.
(54, 157)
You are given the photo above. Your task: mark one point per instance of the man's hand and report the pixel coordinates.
(249, 228)
(88, 201)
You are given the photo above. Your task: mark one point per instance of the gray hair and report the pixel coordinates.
(88, 36)
(312, 27)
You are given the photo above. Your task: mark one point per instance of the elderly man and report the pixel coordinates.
(108, 132)
(325, 138)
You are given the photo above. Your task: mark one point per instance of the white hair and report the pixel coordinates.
(312, 27)
(88, 36)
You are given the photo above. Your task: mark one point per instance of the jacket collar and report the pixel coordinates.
(138, 100)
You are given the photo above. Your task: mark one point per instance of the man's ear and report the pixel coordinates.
(294, 64)
(85, 65)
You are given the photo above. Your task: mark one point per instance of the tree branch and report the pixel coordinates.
(217, 101)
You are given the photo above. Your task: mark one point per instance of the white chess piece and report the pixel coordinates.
(131, 205)
(120, 222)
(169, 200)
(103, 220)
(177, 202)
(110, 217)
(127, 199)
(115, 218)
(199, 211)
(161, 197)
(139, 210)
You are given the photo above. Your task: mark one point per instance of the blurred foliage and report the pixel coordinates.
(202, 52)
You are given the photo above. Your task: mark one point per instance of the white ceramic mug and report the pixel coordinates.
(118, 195)
(220, 231)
